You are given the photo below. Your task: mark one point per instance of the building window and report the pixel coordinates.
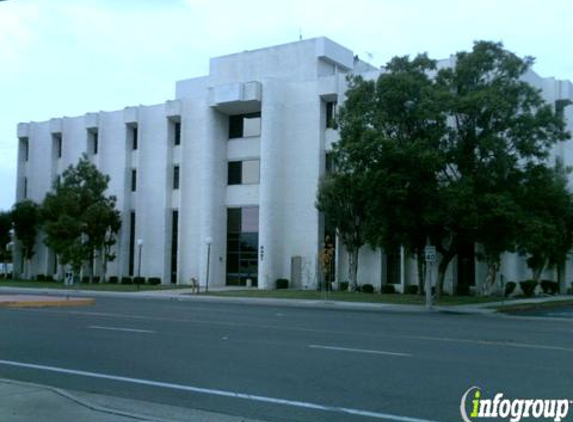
(243, 172)
(25, 187)
(57, 182)
(93, 141)
(57, 144)
(177, 133)
(331, 114)
(245, 125)
(133, 180)
(174, 245)
(176, 177)
(242, 245)
(25, 148)
(131, 242)
(132, 136)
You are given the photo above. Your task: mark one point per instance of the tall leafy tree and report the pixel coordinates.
(499, 124)
(342, 197)
(26, 220)
(546, 233)
(390, 129)
(79, 219)
(446, 152)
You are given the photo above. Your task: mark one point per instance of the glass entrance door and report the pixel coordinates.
(242, 246)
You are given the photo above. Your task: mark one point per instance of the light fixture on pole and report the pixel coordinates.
(140, 247)
(208, 241)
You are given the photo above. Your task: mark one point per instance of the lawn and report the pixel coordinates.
(401, 299)
(85, 286)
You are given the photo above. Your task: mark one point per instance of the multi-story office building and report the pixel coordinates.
(222, 180)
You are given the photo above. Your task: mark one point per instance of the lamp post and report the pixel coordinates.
(208, 241)
(139, 247)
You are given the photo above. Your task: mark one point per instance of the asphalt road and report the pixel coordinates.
(287, 364)
(553, 312)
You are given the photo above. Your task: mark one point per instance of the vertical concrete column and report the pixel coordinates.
(212, 197)
(270, 214)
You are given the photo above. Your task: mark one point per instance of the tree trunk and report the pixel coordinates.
(421, 262)
(491, 278)
(353, 269)
(103, 265)
(442, 268)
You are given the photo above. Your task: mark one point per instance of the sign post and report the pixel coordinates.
(430, 258)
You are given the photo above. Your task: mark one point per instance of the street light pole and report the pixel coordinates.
(208, 240)
(140, 247)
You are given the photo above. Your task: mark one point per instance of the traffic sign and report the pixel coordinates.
(430, 253)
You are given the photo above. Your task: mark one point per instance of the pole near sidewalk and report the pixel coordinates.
(430, 258)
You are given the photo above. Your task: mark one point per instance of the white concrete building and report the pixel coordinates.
(222, 180)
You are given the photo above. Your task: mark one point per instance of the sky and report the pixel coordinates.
(67, 57)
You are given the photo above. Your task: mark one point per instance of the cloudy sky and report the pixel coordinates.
(68, 57)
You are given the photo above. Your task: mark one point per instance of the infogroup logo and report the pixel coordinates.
(512, 409)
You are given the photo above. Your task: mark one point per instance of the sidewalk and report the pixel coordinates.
(23, 402)
(187, 295)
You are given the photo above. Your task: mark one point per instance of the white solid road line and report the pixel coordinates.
(221, 393)
(129, 330)
(347, 349)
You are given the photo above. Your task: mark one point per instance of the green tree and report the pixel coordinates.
(390, 131)
(79, 220)
(499, 125)
(546, 233)
(342, 197)
(446, 152)
(5, 238)
(26, 220)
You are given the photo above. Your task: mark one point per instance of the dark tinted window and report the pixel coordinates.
(234, 173)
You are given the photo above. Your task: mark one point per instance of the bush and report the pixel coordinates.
(40, 277)
(138, 280)
(126, 280)
(113, 279)
(85, 280)
(154, 281)
(49, 278)
(344, 286)
(9, 276)
(509, 288)
(549, 286)
(388, 289)
(96, 279)
(528, 287)
(411, 289)
(282, 283)
(367, 288)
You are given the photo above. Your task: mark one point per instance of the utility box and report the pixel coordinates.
(296, 272)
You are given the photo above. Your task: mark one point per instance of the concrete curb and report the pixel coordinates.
(489, 308)
(182, 297)
(83, 402)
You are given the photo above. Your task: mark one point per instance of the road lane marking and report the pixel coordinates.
(492, 343)
(347, 349)
(220, 393)
(129, 330)
(315, 330)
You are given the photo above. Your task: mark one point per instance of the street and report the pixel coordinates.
(286, 364)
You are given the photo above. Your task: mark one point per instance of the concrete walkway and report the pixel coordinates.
(188, 295)
(23, 402)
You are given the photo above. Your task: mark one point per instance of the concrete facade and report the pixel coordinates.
(291, 86)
